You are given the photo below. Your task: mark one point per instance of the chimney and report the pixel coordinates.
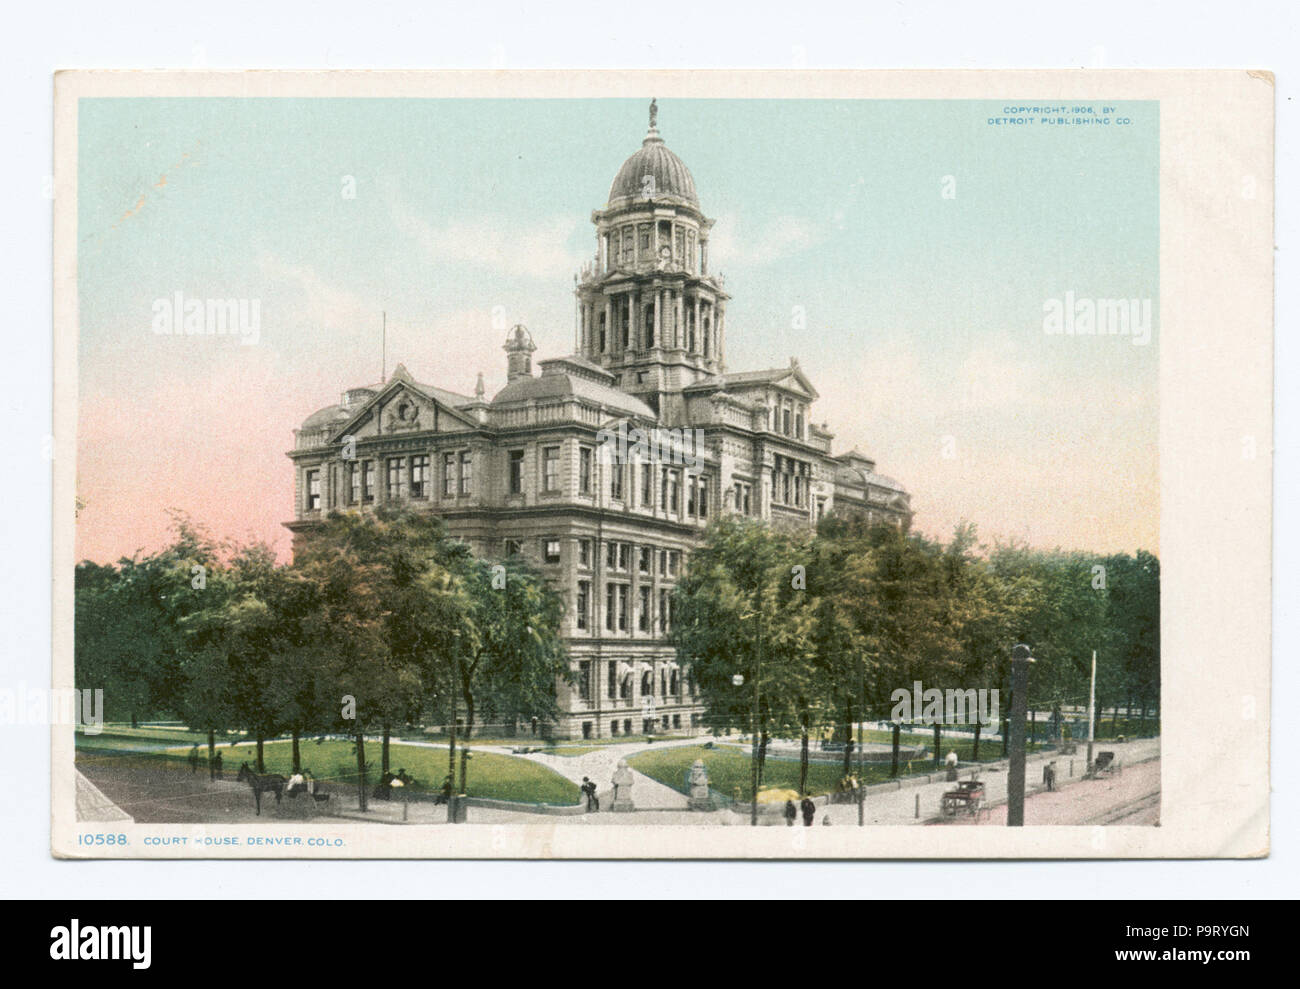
(519, 349)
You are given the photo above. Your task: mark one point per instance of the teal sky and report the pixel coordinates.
(924, 314)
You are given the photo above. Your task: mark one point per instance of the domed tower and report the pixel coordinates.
(648, 308)
(519, 349)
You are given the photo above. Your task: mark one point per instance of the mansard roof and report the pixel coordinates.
(562, 379)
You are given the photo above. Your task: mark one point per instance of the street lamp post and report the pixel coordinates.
(1020, 660)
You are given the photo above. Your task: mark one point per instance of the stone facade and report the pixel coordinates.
(539, 469)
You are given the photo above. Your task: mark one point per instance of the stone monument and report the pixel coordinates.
(699, 799)
(622, 788)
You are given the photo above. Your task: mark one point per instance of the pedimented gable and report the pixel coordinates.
(402, 407)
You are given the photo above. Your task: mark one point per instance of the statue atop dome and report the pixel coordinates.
(654, 114)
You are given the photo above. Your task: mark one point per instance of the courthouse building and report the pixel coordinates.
(526, 471)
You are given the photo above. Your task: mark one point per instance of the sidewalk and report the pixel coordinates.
(899, 807)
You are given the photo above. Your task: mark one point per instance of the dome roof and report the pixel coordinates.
(669, 173)
(324, 417)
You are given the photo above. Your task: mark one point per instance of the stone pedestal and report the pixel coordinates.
(699, 798)
(622, 781)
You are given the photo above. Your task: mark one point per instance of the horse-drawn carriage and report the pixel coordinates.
(968, 797)
(1104, 765)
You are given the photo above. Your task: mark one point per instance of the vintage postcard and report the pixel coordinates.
(662, 465)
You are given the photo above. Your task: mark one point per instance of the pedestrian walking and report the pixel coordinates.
(194, 759)
(809, 810)
(791, 813)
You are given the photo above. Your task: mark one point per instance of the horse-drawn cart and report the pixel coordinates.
(968, 797)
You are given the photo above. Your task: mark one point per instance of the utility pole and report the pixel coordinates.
(862, 711)
(753, 768)
(1020, 660)
(1092, 708)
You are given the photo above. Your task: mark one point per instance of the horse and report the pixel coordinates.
(262, 781)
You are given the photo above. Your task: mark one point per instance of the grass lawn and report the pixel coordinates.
(729, 770)
(494, 776)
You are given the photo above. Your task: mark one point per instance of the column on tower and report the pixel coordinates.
(634, 315)
(695, 319)
(659, 324)
(609, 325)
(679, 312)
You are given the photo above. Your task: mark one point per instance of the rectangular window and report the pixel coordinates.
(516, 472)
(582, 605)
(622, 607)
(610, 601)
(645, 240)
(664, 606)
(584, 552)
(448, 475)
(514, 547)
(628, 244)
(584, 679)
(611, 555)
(354, 470)
(674, 491)
(624, 555)
(466, 472)
(616, 481)
(611, 685)
(551, 468)
(643, 614)
(584, 469)
(703, 503)
(785, 420)
(692, 491)
(313, 490)
(395, 484)
(420, 477)
(644, 556)
(367, 481)
(798, 425)
(551, 550)
(647, 486)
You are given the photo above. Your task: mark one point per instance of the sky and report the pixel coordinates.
(904, 251)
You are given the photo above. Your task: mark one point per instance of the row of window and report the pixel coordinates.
(787, 418)
(618, 597)
(648, 725)
(619, 682)
(699, 338)
(409, 476)
(791, 481)
(646, 242)
(618, 555)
